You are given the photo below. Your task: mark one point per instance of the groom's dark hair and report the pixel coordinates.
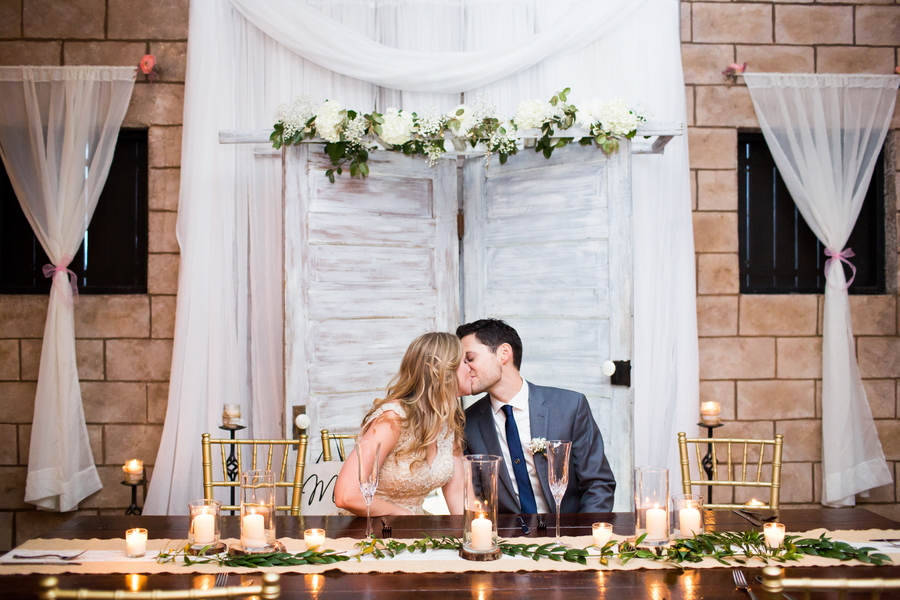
(492, 333)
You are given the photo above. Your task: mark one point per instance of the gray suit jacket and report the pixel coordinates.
(555, 414)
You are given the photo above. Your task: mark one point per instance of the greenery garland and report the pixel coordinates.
(348, 133)
(723, 547)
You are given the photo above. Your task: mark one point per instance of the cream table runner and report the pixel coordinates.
(108, 556)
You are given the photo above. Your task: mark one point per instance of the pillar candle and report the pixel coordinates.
(689, 521)
(253, 531)
(134, 470)
(656, 523)
(204, 529)
(482, 533)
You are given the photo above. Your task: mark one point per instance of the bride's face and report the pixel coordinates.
(464, 375)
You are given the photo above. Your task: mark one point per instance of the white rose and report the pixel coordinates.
(397, 127)
(329, 120)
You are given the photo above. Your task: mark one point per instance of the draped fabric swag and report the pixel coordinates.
(245, 58)
(58, 131)
(825, 133)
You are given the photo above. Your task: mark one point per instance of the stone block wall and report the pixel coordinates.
(124, 343)
(761, 355)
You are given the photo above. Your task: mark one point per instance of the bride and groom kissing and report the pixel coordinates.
(424, 432)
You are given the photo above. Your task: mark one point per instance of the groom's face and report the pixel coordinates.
(484, 365)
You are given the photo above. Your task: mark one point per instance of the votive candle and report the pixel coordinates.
(774, 534)
(709, 412)
(134, 470)
(313, 538)
(656, 523)
(482, 533)
(602, 532)
(135, 542)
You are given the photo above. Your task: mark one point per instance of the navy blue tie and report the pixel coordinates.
(526, 494)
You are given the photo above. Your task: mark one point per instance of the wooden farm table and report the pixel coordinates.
(545, 585)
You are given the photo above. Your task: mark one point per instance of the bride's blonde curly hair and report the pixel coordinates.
(428, 389)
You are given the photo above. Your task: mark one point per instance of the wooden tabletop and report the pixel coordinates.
(691, 584)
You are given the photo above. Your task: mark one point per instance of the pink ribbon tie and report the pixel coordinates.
(51, 270)
(842, 256)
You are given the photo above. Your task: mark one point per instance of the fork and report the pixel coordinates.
(221, 580)
(542, 527)
(740, 582)
(59, 556)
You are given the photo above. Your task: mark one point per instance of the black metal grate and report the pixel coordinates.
(112, 259)
(779, 254)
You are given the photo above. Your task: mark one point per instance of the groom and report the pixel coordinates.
(514, 411)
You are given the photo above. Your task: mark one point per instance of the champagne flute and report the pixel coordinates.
(367, 458)
(558, 453)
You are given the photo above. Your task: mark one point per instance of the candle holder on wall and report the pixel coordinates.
(481, 472)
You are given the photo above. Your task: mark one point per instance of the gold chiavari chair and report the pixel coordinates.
(744, 446)
(281, 470)
(775, 583)
(269, 589)
(339, 439)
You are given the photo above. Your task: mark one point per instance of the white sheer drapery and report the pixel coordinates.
(825, 133)
(237, 76)
(58, 131)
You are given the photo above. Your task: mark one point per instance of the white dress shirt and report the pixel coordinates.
(521, 413)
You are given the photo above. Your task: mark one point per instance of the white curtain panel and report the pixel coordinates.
(58, 131)
(825, 133)
(245, 58)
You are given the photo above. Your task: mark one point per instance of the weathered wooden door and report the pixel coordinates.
(547, 247)
(369, 265)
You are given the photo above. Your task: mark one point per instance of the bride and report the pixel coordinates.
(420, 426)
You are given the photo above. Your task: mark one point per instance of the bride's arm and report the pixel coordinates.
(453, 489)
(347, 495)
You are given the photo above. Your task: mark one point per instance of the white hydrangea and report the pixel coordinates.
(617, 119)
(329, 120)
(529, 114)
(356, 129)
(295, 116)
(397, 127)
(430, 122)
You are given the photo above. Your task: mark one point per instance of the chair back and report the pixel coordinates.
(775, 583)
(242, 463)
(773, 484)
(269, 589)
(339, 439)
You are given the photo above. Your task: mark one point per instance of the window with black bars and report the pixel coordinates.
(112, 258)
(779, 254)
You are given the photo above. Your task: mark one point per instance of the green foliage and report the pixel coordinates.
(728, 548)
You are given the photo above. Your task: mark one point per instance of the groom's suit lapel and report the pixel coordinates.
(539, 418)
(492, 442)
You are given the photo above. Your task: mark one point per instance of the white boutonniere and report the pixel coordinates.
(537, 445)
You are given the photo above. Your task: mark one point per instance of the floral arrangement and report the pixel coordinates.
(350, 135)
(537, 445)
(728, 548)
